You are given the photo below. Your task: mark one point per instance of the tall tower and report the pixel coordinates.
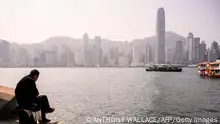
(160, 44)
(4, 52)
(202, 52)
(97, 51)
(85, 40)
(179, 52)
(191, 48)
(85, 49)
(196, 42)
(214, 51)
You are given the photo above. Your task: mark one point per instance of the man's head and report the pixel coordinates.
(34, 74)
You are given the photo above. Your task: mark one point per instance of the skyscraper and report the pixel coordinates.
(97, 51)
(169, 56)
(85, 40)
(4, 52)
(86, 52)
(179, 52)
(191, 46)
(137, 53)
(202, 51)
(214, 51)
(148, 54)
(78, 58)
(196, 42)
(160, 44)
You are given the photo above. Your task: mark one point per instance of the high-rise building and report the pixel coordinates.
(215, 46)
(85, 40)
(148, 54)
(178, 52)
(51, 57)
(86, 50)
(210, 55)
(13, 56)
(126, 49)
(202, 51)
(137, 55)
(169, 56)
(191, 48)
(42, 58)
(21, 57)
(154, 52)
(67, 57)
(186, 51)
(114, 56)
(4, 52)
(98, 42)
(214, 51)
(196, 42)
(78, 58)
(97, 51)
(123, 61)
(160, 44)
(219, 51)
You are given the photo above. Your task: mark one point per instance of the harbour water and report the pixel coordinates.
(79, 93)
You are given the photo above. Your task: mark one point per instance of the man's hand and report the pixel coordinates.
(35, 107)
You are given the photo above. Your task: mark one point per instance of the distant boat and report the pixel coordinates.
(163, 68)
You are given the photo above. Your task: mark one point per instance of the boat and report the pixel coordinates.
(210, 69)
(164, 68)
(202, 68)
(213, 69)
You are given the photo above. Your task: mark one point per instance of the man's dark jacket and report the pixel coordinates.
(26, 92)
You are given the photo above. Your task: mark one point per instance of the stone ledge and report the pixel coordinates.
(7, 90)
(7, 103)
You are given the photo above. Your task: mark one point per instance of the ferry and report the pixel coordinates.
(213, 69)
(202, 68)
(163, 68)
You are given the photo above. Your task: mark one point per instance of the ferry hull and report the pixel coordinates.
(203, 72)
(165, 70)
(214, 75)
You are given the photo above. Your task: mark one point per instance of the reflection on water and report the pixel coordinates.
(77, 93)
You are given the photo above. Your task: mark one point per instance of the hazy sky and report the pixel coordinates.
(28, 21)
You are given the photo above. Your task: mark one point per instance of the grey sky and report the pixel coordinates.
(28, 21)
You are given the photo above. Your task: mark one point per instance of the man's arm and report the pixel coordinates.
(36, 92)
(34, 89)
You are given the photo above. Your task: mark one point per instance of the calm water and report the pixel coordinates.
(77, 93)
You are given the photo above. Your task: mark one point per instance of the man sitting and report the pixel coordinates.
(28, 97)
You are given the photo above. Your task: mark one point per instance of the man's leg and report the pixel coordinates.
(44, 102)
(45, 106)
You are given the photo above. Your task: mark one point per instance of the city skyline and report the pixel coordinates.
(35, 21)
(93, 53)
(63, 51)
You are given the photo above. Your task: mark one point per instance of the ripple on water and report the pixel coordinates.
(82, 92)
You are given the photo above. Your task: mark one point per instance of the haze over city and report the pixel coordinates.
(31, 21)
(84, 33)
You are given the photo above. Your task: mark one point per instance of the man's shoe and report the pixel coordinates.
(50, 110)
(45, 121)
